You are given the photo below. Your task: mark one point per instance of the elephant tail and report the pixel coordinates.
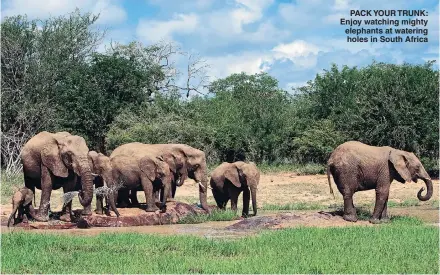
(329, 181)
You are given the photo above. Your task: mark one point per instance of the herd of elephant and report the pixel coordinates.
(54, 160)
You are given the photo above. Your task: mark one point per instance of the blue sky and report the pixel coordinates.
(291, 40)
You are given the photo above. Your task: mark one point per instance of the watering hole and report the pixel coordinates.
(296, 189)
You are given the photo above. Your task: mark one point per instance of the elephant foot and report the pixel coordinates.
(99, 211)
(66, 217)
(41, 218)
(375, 221)
(86, 212)
(350, 218)
(152, 209)
(122, 205)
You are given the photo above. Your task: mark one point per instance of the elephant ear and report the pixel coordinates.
(50, 156)
(92, 156)
(148, 167)
(170, 160)
(399, 162)
(231, 173)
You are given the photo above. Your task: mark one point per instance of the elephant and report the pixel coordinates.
(356, 166)
(228, 180)
(184, 162)
(102, 169)
(22, 202)
(54, 160)
(133, 169)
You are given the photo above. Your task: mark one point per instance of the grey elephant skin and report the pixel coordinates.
(357, 167)
(228, 180)
(21, 202)
(183, 160)
(54, 160)
(134, 169)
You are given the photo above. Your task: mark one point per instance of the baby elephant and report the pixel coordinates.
(21, 202)
(228, 180)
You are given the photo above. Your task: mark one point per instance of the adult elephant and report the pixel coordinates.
(133, 169)
(184, 162)
(357, 167)
(228, 180)
(54, 160)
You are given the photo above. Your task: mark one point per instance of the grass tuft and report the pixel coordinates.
(215, 215)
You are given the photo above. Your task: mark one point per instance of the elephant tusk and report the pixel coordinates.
(200, 184)
(178, 181)
(93, 174)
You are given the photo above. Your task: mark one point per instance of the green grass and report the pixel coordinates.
(215, 215)
(10, 184)
(403, 246)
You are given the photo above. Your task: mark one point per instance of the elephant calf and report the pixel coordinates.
(228, 180)
(357, 167)
(21, 202)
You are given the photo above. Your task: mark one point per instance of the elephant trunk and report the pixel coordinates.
(428, 195)
(86, 195)
(254, 199)
(203, 190)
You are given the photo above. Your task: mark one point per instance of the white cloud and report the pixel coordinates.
(248, 62)
(154, 30)
(249, 11)
(111, 10)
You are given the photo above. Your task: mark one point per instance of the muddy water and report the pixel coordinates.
(208, 230)
(251, 226)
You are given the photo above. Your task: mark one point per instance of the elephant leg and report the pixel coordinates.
(384, 216)
(147, 186)
(234, 193)
(133, 198)
(349, 209)
(381, 200)
(46, 190)
(123, 198)
(246, 198)
(99, 197)
(220, 198)
(69, 186)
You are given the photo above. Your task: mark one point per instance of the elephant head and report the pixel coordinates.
(197, 170)
(407, 168)
(177, 163)
(69, 152)
(101, 165)
(242, 174)
(21, 201)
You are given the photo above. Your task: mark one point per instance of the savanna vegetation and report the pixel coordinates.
(54, 78)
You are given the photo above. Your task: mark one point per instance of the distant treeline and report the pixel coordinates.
(54, 79)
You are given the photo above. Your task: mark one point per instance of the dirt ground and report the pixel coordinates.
(274, 189)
